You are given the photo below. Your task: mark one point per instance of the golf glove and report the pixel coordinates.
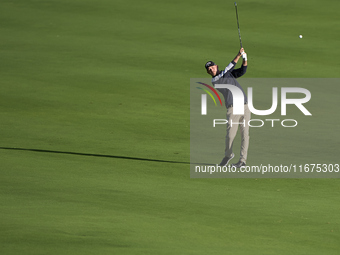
(244, 56)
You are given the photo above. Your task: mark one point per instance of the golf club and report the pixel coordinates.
(238, 26)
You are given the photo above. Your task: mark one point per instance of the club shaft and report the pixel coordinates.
(238, 26)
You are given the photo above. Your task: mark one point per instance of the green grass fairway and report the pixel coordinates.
(95, 142)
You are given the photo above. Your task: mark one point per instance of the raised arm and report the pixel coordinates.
(242, 70)
(239, 54)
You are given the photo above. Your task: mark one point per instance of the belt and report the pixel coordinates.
(228, 106)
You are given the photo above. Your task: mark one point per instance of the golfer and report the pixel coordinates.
(229, 76)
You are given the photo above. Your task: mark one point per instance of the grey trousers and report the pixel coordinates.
(235, 121)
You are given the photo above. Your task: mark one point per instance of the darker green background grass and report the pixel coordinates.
(112, 78)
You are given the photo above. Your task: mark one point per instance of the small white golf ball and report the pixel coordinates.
(300, 36)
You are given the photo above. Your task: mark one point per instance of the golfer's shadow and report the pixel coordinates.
(93, 155)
